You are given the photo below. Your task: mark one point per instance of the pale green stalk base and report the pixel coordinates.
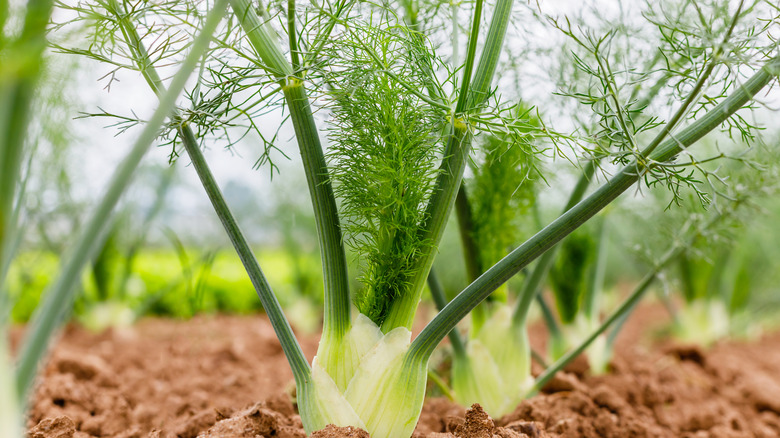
(702, 322)
(10, 413)
(496, 370)
(375, 384)
(107, 314)
(598, 353)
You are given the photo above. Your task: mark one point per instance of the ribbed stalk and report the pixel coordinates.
(263, 39)
(57, 303)
(459, 307)
(271, 305)
(334, 266)
(452, 167)
(337, 307)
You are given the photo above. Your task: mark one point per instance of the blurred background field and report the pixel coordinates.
(166, 254)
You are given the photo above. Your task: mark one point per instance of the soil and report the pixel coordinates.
(226, 376)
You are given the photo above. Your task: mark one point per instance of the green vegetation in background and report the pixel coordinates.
(570, 275)
(721, 283)
(157, 284)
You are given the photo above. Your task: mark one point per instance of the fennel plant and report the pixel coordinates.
(402, 125)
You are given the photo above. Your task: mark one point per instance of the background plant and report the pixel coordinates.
(58, 302)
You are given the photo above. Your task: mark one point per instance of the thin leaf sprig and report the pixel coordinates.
(228, 94)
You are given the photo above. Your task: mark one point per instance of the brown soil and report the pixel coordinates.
(227, 377)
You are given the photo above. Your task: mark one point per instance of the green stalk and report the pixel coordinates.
(488, 60)
(412, 12)
(58, 301)
(441, 384)
(263, 39)
(18, 80)
(452, 167)
(477, 291)
(556, 340)
(292, 35)
(334, 264)
(470, 56)
(290, 345)
(466, 229)
(271, 305)
(337, 305)
(471, 256)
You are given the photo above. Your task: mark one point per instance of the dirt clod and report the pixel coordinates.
(59, 427)
(563, 381)
(332, 431)
(692, 353)
(478, 424)
(531, 429)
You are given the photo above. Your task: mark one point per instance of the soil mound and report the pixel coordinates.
(227, 377)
